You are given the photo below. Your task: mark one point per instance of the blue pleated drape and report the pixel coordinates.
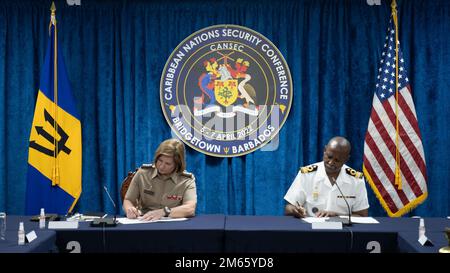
(115, 52)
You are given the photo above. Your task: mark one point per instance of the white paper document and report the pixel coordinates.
(126, 221)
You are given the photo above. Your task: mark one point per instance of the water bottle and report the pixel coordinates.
(21, 234)
(2, 226)
(421, 227)
(42, 219)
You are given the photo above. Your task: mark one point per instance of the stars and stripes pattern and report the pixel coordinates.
(380, 141)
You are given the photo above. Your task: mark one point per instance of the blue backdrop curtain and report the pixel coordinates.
(115, 52)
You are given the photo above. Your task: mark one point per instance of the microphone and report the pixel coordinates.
(106, 222)
(112, 201)
(344, 222)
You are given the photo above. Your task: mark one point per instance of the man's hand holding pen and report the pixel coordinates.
(299, 211)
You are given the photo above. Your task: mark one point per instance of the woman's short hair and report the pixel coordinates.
(174, 148)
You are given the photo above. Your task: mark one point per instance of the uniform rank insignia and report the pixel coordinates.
(309, 169)
(187, 174)
(174, 197)
(354, 173)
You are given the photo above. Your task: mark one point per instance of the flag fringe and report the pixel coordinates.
(406, 209)
(75, 201)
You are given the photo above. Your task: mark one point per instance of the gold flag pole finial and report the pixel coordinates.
(53, 13)
(393, 4)
(394, 11)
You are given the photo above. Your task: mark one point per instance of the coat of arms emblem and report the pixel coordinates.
(226, 90)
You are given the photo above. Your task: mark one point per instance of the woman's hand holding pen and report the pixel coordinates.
(131, 210)
(132, 213)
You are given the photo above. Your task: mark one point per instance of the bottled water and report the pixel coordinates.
(42, 219)
(21, 234)
(2, 226)
(421, 227)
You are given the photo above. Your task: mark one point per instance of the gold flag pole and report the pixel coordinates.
(55, 173)
(398, 178)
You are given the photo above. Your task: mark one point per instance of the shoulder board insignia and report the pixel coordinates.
(147, 166)
(354, 173)
(309, 169)
(187, 174)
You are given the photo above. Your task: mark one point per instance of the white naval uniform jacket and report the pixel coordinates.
(313, 190)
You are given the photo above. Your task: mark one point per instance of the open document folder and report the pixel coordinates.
(126, 221)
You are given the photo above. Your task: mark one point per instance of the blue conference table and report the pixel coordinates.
(408, 242)
(243, 234)
(200, 234)
(44, 243)
(282, 234)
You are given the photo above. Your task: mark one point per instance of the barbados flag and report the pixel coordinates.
(54, 155)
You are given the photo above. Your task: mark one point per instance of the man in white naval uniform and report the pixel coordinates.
(314, 193)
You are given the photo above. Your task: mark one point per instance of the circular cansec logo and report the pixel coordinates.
(226, 91)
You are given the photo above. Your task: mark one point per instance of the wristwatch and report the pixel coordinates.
(167, 211)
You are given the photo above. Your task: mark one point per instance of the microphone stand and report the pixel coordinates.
(349, 222)
(106, 222)
(114, 204)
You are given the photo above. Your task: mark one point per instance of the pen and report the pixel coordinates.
(301, 208)
(137, 208)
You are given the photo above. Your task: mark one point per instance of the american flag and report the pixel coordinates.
(381, 138)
